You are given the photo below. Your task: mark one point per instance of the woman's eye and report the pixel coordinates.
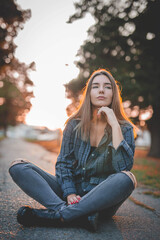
(108, 87)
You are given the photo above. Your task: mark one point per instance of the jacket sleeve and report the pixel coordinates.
(122, 157)
(64, 165)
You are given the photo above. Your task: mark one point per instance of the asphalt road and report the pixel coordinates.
(131, 222)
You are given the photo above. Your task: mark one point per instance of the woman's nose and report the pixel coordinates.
(101, 89)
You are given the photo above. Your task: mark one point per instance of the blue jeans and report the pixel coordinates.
(105, 198)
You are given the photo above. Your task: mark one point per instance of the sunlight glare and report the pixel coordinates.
(52, 44)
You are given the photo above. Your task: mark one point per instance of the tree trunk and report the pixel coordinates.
(154, 127)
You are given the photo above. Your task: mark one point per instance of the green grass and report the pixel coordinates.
(147, 172)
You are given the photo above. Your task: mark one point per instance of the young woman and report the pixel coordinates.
(93, 175)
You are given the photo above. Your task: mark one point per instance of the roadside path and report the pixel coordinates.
(131, 222)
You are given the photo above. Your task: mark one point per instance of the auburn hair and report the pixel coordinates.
(84, 111)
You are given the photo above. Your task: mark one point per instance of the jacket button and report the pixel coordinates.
(83, 169)
(92, 154)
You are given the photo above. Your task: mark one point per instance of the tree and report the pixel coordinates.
(125, 39)
(16, 93)
(15, 85)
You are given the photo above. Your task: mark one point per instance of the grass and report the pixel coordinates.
(147, 171)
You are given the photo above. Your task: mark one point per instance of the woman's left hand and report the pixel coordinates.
(109, 114)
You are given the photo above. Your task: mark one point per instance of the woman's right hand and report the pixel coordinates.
(73, 198)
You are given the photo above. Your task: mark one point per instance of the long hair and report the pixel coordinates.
(84, 112)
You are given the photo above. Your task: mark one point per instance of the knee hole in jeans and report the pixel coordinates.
(18, 161)
(132, 177)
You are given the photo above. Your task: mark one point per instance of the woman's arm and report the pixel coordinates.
(117, 135)
(122, 156)
(123, 145)
(111, 119)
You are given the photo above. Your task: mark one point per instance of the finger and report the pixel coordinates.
(101, 109)
(99, 112)
(75, 199)
(78, 197)
(71, 201)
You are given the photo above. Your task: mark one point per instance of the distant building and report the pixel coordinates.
(143, 139)
(33, 132)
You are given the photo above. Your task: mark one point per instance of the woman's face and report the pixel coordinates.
(101, 91)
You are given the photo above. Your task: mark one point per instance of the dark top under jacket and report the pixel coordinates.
(78, 163)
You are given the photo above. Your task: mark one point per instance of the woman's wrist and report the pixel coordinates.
(117, 135)
(115, 124)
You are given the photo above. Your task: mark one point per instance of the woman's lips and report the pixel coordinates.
(101, 98)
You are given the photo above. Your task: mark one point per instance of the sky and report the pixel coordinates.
(52, 44)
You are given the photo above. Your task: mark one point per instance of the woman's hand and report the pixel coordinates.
(73, 198)
(117, 136)
(109, 114)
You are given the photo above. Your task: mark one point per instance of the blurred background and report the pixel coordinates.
(48, 49)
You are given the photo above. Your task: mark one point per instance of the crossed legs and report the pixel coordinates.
(44, 188)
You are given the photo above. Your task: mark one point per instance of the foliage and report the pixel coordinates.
(125, 40)
(15, 85)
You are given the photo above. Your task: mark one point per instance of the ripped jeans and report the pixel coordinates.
(105, 198)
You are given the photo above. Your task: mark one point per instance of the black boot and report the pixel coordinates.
(89, 222)
(93, 222)
(28, 216)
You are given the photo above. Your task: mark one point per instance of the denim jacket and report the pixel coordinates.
(75, 167)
